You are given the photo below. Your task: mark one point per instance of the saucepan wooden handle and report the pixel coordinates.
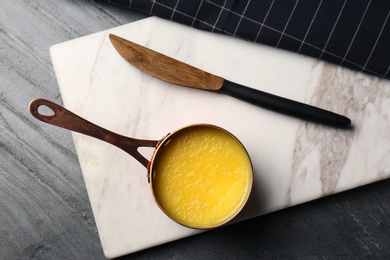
(61, 117)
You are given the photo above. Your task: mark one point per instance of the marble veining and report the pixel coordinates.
(343, 158)
(294, 161)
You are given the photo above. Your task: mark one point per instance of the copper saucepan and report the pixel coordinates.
(200, 175)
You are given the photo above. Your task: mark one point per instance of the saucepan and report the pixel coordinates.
(200, 175)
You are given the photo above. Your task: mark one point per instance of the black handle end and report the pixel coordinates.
(284, 105)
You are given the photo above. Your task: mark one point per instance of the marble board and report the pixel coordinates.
(294, 161)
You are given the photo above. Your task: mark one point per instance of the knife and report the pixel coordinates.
(179, 73)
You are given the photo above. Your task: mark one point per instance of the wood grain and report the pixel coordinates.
(165, 68)
(44, 207)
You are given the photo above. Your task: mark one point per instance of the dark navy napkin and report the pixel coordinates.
(353, 34)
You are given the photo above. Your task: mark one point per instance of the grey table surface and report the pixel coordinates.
(44, 207)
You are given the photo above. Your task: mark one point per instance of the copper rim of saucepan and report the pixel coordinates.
(63, 118)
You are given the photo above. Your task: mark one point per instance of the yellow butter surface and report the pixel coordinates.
(202, 176)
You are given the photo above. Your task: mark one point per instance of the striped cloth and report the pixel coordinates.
(353, 34)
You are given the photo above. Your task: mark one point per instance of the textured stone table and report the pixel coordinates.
(44, 208)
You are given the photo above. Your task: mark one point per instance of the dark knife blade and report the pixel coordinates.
(179, 73)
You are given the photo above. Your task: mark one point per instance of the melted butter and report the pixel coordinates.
(202, 177)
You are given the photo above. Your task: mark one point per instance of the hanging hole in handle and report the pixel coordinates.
(46, 111)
